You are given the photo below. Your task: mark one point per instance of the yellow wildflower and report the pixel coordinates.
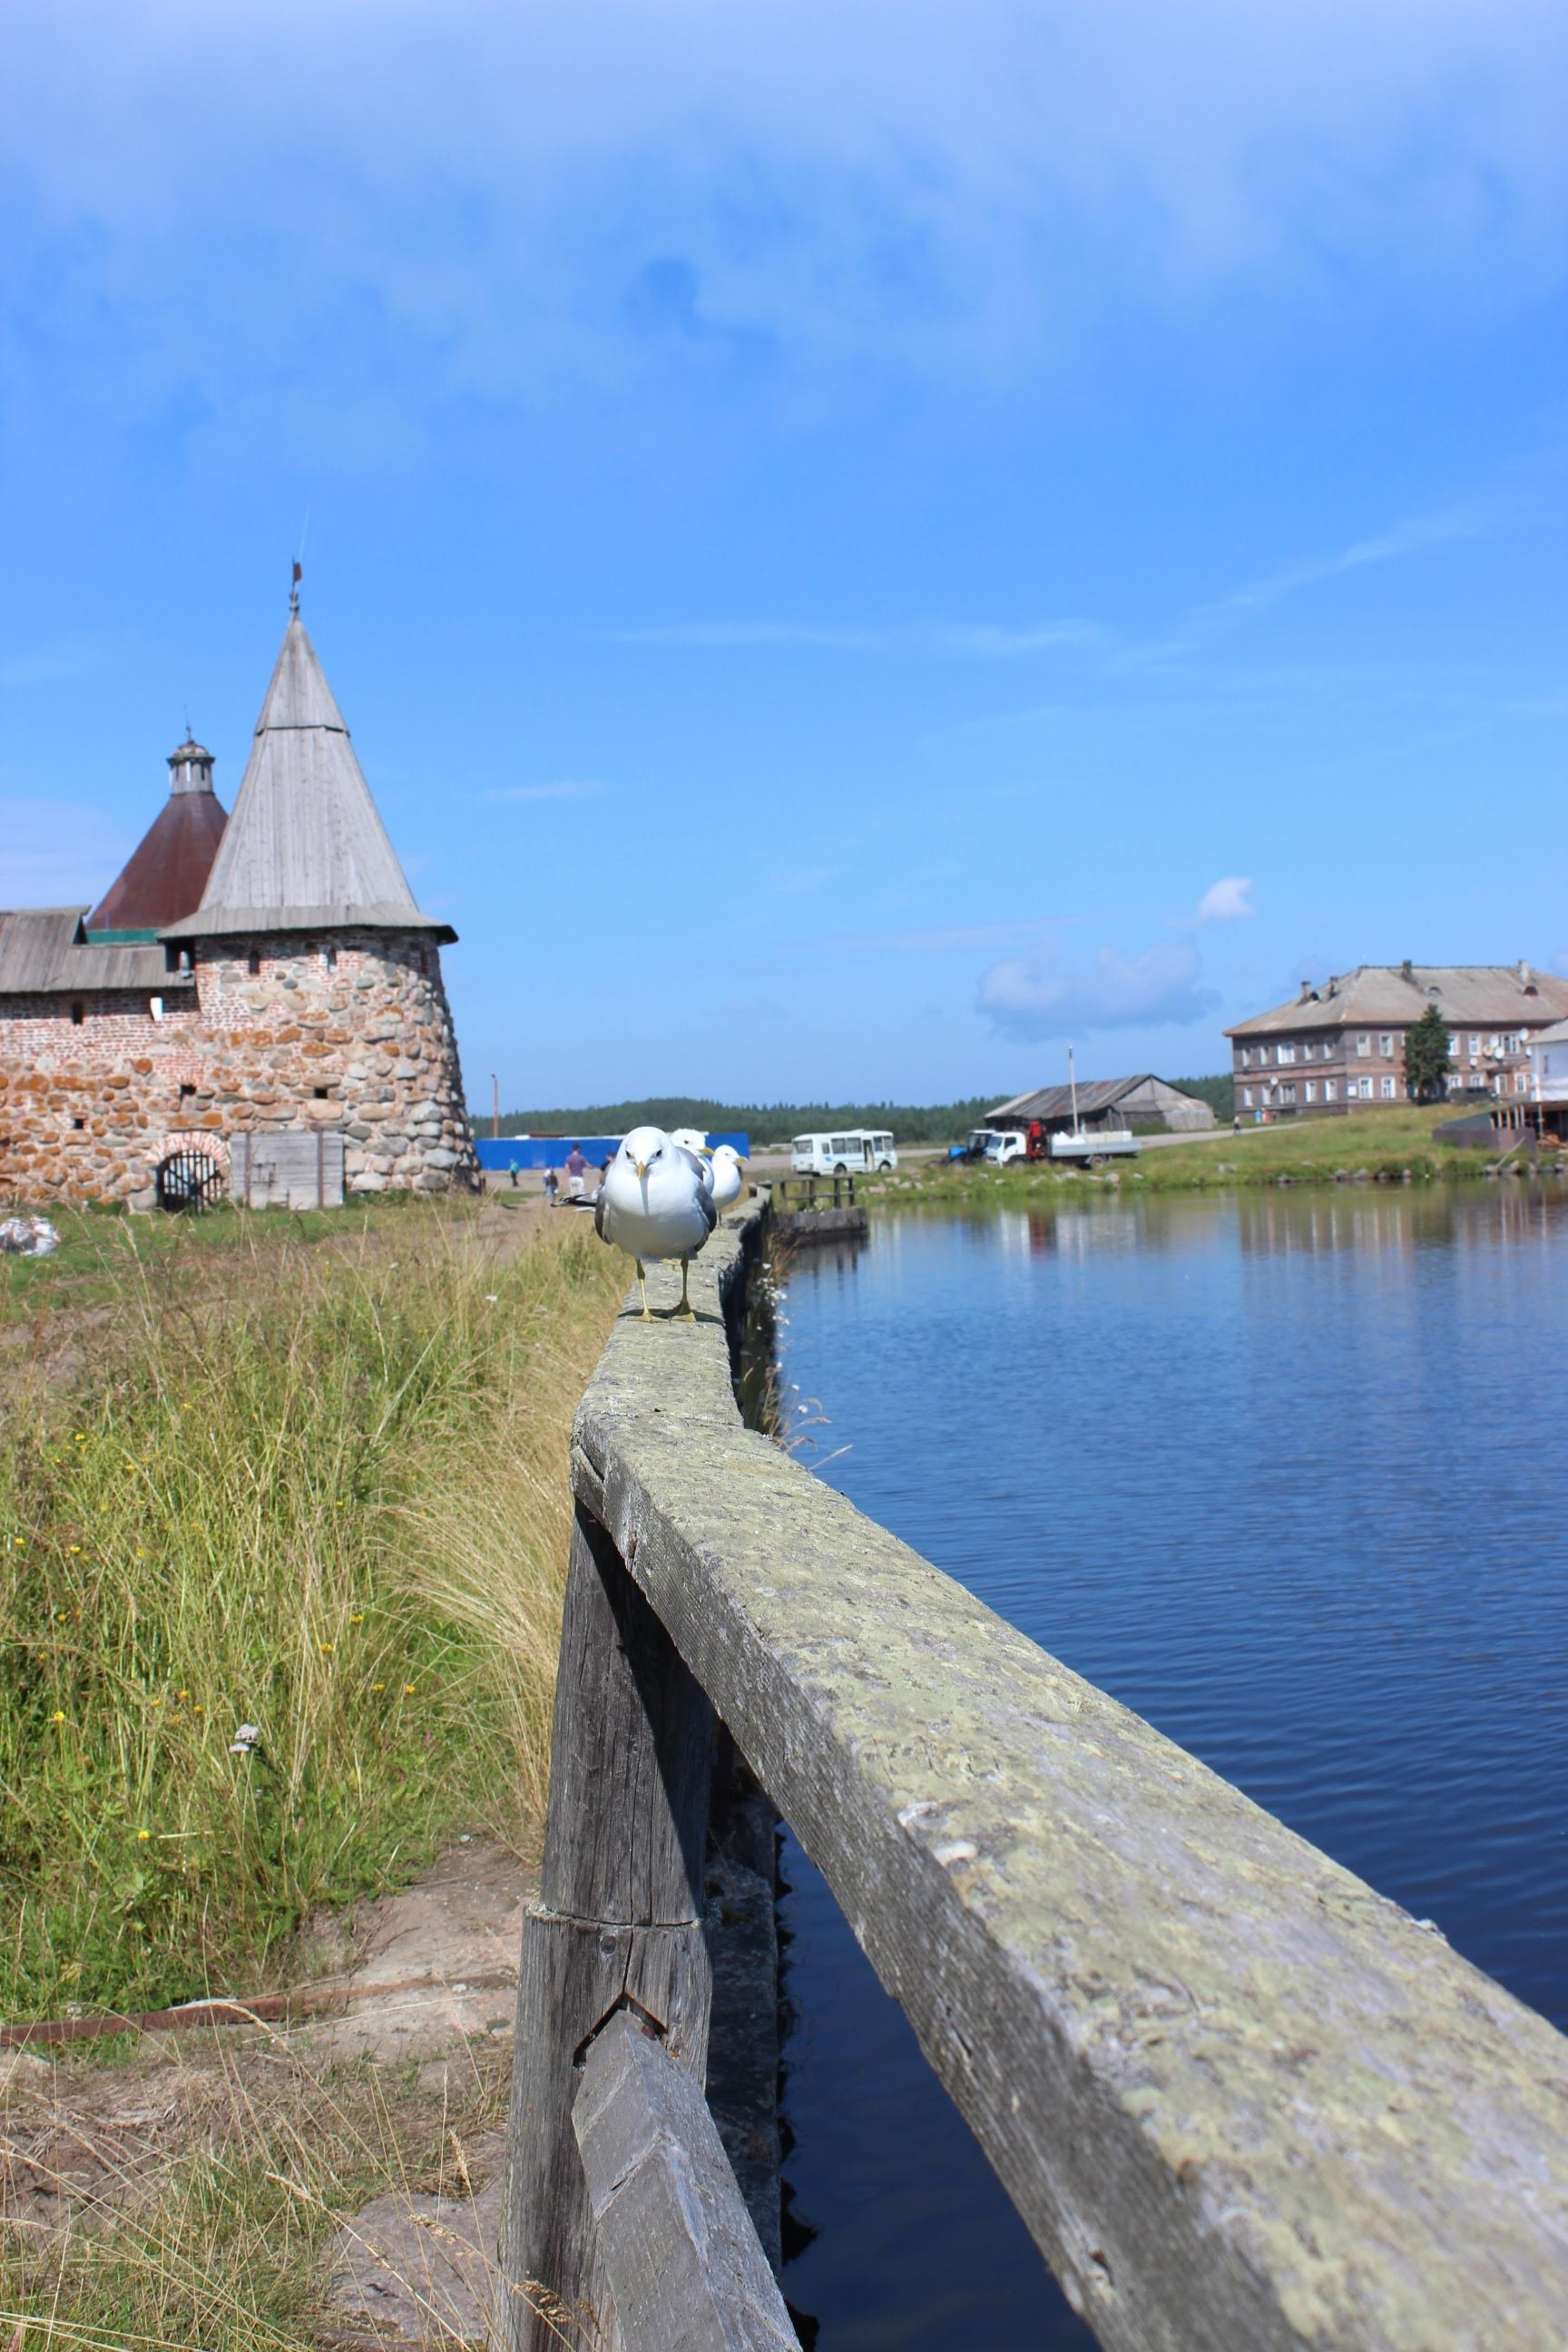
(357, 1620)
(142, 1834)
(325, 1648)
(409, 1690)
(375, 1686)
(58, 1716)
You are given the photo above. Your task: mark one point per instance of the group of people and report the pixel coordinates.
(578, 1165)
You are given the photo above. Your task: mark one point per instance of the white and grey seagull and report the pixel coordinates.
(724, 1174)
(656, 1202)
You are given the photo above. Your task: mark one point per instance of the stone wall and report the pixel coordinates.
(85, 1107)
(351, 1034)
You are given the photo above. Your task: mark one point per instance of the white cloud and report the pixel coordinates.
(365, 211)
(1227, 900)
(1024, 998)
(957, 640)
(560, 792)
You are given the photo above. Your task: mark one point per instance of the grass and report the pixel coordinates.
(1380, 1144)
(215, 2242)
(317, 1489)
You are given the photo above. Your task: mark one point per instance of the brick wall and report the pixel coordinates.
(353, 1035)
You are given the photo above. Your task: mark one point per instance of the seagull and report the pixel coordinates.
(691, 1138)
(725, 1177)
(656, 1202)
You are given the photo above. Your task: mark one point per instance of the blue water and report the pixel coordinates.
(1286, 1472)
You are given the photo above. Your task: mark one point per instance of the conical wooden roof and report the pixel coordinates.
(169, 869)
(305, 849)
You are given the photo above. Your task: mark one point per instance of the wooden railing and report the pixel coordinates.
(1239, 2099)
(800, 1191)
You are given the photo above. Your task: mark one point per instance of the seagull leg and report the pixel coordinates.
(642, 1286)
(685, 1307)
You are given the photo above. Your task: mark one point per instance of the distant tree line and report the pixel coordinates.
(1219, 1092)
(767, 1123)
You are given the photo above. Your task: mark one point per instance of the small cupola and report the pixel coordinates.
(190, 767)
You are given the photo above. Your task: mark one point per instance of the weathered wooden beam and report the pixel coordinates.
(685, 2267)
(1240, 2099)
(618, 1923)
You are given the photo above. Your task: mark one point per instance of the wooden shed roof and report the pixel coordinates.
(305, 849)
(1094, 1096)
(44, 952)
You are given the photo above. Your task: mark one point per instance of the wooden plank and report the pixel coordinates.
(618, 1920)
(1239, 2099)
(685, 2264)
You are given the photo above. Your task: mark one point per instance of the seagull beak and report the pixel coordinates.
(641, 1167)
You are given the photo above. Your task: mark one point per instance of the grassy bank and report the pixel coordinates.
(319, 1489)
(1379, 1145)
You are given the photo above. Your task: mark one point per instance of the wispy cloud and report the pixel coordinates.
(946, 640)
(952, 938)
(1025, 997)
(1226, 901)
(49, 665)
(828, 190)
(557, 791)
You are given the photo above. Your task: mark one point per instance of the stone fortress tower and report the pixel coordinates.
(268, 974)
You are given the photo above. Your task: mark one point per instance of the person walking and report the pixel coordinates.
(551, 1186)
(512, 1172)
(576, 1169)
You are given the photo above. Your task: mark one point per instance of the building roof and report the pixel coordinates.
(1556, 1035)
(1094, 1094)
(1500, 996)
(305, 849)
(167, 872)
(44, 952)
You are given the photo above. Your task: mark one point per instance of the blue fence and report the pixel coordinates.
(499, 1153)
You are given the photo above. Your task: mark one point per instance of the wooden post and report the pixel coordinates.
(689, 2271)
(618, 1925)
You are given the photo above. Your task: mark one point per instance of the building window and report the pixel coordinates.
(253, 962)
(1364, 1045)
(1385, 1044)
(1520, 1082)
(78, 1016)
(1453, 1049)
(320, 1093)
(77, 1125)
(1286, 1053)
(155, 1007)
(1312, 1091)
(1387, 1088)
(1247, 1098)
(1330, 1089)
(1475, 1047)
(1287, 1091)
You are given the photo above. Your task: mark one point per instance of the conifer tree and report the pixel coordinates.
(1426, 1058)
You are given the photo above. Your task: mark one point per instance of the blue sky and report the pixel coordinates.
(858, 540)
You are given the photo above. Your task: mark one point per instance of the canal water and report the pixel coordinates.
(1284, 1471)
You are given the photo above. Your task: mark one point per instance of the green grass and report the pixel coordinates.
(320, 1489)
(1381, 1144)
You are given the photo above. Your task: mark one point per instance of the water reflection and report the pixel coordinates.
(1283, 1471)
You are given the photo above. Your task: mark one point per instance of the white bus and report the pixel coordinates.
(851, 1153)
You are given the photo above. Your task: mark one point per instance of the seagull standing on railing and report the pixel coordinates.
(725, 1175)
(656, 1202)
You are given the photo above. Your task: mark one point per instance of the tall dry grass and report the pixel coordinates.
(322, 1493)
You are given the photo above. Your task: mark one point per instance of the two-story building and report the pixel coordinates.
(1340, 1046)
